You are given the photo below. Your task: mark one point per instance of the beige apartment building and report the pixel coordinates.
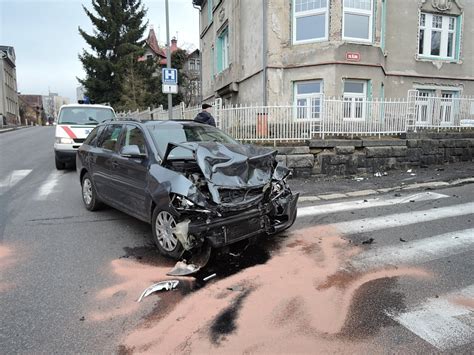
(9, 112)
(292, 51)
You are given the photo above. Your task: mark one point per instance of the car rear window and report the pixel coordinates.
(85, 115)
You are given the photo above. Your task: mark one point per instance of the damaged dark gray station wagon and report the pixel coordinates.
(196, 185)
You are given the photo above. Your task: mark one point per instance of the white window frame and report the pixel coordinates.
(360, 12)
(354, 102)
(223, 37)
(309, 101)
(445, 31)
(313, 12)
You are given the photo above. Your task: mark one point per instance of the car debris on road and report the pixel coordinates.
(162, 285)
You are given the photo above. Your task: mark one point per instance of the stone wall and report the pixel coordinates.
(359, 156)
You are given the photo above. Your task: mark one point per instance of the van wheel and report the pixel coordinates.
(163, 223)
(89, 195)
(59, 165)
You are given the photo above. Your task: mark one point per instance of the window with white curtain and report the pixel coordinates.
(308, 99)
(355, 96)
(357, 20)
(437, 36)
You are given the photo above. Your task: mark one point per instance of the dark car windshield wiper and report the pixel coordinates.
(67, 122)
(94, 121)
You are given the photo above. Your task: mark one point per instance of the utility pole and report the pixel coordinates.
(168, 57)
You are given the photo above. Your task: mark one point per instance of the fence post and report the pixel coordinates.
(217, 111)
(410, 120)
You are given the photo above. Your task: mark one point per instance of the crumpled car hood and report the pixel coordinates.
(231, 166)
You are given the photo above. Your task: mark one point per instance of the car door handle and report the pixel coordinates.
(114, 164)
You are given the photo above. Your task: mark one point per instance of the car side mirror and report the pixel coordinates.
(131, 151)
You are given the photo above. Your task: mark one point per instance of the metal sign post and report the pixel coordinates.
(168, 58)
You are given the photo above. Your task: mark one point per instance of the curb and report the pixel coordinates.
(415, 186)
(5, 130)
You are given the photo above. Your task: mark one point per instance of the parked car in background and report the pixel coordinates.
(196, 185)
(75, 122)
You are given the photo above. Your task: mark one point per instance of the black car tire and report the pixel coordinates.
(89, 194)
(59, 164)
(166, 241)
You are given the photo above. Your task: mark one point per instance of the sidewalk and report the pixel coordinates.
(322, 187)
(9, 129)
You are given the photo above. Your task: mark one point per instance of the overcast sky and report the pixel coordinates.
(46, 40)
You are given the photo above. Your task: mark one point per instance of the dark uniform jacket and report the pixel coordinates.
(205, 117)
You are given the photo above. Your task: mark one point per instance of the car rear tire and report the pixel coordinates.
(59, 165)
(89, 195)
(167, 242)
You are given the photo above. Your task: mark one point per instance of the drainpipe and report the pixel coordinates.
(200, 56)
(264, 51)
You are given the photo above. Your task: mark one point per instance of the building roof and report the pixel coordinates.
(152, 43)
(9, 54)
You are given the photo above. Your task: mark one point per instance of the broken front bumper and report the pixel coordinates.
(272, 218)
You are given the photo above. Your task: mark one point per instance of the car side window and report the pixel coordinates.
(110, 136)
(92, 137)
(134, 136)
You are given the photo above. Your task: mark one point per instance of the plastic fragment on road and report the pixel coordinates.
(358, 178)
(160, 286)
(193, 265)
(183, 269)
(368, 241)
(409, 170)
(378, 174)
(209, 277)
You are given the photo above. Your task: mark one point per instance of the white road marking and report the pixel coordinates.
(403, 219)
(48, 187)
(13, 178)
(368, 203)
(441, 322)
(418, 251)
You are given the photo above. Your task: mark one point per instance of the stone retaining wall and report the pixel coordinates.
(358, 156)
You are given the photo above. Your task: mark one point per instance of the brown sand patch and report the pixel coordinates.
(120, 299)
(463, 302)
(284, 313)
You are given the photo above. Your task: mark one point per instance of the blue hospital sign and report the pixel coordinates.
(169, 76)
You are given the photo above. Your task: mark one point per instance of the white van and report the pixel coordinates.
(75, 122)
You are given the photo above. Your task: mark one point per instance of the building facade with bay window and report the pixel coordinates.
(294, 51)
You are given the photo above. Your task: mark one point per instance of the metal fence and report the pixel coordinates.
(331, 116)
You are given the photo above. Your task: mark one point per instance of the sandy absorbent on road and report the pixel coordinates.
(6, 260)
(297, 302)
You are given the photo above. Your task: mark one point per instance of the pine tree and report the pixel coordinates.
(118, 30)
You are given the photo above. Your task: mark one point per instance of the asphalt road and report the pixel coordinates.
(389, 273)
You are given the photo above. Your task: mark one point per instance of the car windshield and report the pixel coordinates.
(85, 115)
(163, 134)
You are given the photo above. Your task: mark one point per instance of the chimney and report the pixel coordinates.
(174, 44)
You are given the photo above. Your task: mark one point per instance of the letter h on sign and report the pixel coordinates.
(169, 76)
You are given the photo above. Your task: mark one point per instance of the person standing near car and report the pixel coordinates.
(205, 116)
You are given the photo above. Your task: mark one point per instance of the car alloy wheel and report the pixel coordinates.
(164, 226)
(87, 193)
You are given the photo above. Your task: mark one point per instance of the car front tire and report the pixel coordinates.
(89, 195)
(59, 164)
(163, 223)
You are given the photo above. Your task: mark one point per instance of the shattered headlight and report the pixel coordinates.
(181, 202)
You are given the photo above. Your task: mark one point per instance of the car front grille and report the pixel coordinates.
(239, 195)
(79, 140)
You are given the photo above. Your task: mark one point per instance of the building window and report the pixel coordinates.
(308, 99)
(437, 36)
(357, 23)
(310, 20)
(355, 94)
(223, 50)
(210, 5)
